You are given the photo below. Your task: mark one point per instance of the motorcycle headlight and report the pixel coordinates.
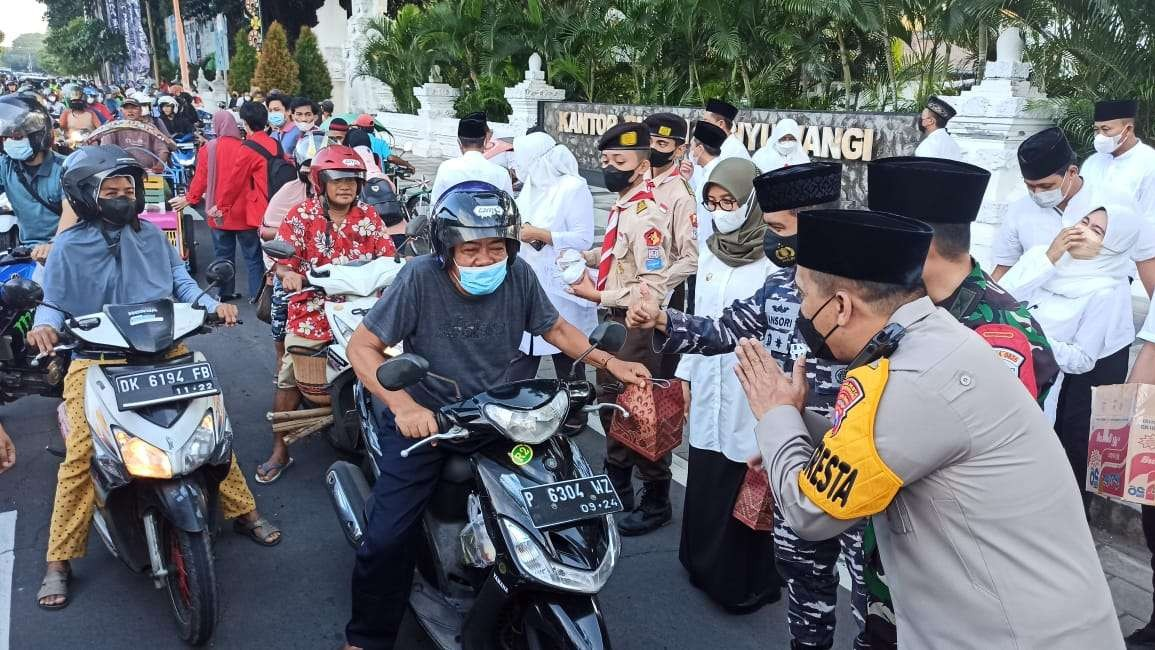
(201, 444)
(140, 458)
(531, 427)
(533, 561)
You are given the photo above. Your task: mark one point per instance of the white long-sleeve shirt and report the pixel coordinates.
(470, 166)
(939, 144)
(1132, 173)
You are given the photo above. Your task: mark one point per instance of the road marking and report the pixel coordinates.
(7, 561)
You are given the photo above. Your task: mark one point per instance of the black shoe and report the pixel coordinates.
(229, 297)
(621, 478)
(757, 602)
(653, 512)
(1144, 637)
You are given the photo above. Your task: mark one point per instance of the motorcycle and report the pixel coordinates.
(162, 442)
(350, 291)
(21, 373)
(518, 537)
(182, 164)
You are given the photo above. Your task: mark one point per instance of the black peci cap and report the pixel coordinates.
(631, 136)
(863, 245)
(666, 125)
(723, 108)
(708, 134)
(1045, 153)
(940, 108)
(934, 190)
(799, 186)
(472, 126)
(1116, 109)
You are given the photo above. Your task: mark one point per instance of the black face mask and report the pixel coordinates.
(660, 158)
(618, 180)
(819, 349)
(780, 250)
(118, 212)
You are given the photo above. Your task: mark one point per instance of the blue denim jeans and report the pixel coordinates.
(225, 247)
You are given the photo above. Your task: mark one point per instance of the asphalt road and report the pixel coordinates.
(296, 595)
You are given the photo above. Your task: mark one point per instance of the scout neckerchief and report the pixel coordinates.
(611, 238)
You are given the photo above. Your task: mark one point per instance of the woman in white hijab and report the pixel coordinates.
(1078, 290)
(557, 214)
(784, 148)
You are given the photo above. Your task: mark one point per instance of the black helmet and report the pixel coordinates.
(24, 114)
(86, 169)
(470, 211)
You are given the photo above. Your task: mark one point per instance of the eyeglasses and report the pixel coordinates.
(726, 204)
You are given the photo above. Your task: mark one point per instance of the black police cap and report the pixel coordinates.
(632, 136)
(666, 125)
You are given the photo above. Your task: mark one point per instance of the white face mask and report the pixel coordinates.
(786, 147)
(1050, 198)
(1109, 143)
(727, 221)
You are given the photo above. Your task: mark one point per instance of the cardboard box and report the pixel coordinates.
(1121, 448)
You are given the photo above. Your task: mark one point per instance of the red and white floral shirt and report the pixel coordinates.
(361, 237)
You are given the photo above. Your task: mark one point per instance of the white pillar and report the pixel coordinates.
(993, 120)
(438, 115)
(525, 96)
(331, 34)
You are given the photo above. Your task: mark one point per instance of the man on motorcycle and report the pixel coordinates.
(30, 170)
(332, 228)
(464, 308)
(150, 151)
(111, 257)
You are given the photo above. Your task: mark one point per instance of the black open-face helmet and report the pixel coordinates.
(86, 169)
(471, 211)
(22, 115)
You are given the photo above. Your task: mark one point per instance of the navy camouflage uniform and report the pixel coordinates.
(808, 567)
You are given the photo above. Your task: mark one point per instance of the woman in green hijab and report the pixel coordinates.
(733, 564)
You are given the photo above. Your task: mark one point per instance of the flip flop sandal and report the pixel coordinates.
(249, 529)
(276, 468)
(55, 584)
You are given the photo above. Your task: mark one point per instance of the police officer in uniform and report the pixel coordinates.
(933, 438)
(947, 195)
(635, 253)
(770, 315)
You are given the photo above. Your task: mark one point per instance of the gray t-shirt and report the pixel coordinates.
(471, 340)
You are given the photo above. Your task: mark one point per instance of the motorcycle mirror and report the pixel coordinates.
(220, 272)
(21, 293)
(279, 250)
(610, 336)
(402, 371)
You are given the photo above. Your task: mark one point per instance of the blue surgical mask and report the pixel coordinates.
(18, 149)
(276, 119)
(483, 280)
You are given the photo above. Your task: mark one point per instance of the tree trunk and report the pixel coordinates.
(746, 83)
(981, 59)
(151, 40)
(842, 53)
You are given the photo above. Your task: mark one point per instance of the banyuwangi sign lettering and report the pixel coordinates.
(851, 138)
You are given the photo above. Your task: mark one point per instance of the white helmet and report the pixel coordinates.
(167, 99)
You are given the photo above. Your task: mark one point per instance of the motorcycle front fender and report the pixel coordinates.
(183, 502)
(571, 621)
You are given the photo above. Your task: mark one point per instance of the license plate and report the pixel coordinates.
(569, 501)
(169, 384)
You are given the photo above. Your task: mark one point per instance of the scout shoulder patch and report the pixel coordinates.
(642, 206)
(653, 238)
(845, 476)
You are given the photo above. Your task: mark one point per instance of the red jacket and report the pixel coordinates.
(246, 192)
(226, 162)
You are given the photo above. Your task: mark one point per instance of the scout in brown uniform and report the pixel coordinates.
(635, 253)
(674, 196)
